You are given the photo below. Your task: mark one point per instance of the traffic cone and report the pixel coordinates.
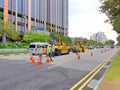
(78, 56)
(47, 61)
(32, 59)
(39, 62)
(91, 54)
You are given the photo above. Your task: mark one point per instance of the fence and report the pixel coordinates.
(13, 51)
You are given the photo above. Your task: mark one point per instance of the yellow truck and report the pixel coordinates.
(79, 47)
(61, 47)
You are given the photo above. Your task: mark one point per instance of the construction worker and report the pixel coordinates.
(49, 52)
(77, 50)
(40, 51)
(53, 50)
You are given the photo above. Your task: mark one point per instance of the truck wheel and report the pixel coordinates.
(83, 49)
(58, 53)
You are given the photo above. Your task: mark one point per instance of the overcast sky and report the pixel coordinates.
(85, 19)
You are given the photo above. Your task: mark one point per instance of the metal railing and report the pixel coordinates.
(13, 51)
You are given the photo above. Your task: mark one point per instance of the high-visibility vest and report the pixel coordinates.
(49, 50)
(40, 50)
(77, 48)
(53, 48)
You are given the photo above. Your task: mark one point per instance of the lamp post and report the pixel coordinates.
(16, 14)
(24, 23)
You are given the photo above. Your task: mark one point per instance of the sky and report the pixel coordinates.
(85, 19)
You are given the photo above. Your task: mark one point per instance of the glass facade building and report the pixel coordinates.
(27, 15)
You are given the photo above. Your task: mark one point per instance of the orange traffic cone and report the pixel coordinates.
(32, 59)
(91, 54)
(78, 56)
(47, 61)
(39, 63)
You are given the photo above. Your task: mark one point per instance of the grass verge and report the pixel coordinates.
(114, 71)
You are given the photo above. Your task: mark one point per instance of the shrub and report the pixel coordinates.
(13, 45)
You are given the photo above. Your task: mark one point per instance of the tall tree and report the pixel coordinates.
(1, 15)
(112, 9)
(110, 42)
(8, 30)
(35, 37)
(118, 38)
(65, 39)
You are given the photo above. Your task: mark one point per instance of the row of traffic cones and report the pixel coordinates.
(48, 60)
(78, 56)
(32, 60)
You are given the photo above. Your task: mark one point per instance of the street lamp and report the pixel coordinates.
(25, 22)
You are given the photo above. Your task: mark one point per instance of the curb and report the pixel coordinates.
(97, 85)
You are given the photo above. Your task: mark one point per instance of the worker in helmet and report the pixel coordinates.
(53, 50)
(40, 52)
(77, 50)
(49, 52)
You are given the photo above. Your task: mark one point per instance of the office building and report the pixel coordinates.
(99, 37)
(36, 15)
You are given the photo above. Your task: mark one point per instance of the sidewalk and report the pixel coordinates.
(111, 79)
(109, 85)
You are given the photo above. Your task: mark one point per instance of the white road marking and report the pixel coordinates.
(24, 62)
(52, 66)
(15, 62)
(5, 60)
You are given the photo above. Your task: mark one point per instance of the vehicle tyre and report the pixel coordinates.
(58, 53)
(68, 51)
(83, 49)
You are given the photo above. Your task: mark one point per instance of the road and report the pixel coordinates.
(17, 73)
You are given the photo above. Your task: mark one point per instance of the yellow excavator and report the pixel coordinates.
(78, 47)
(60, 47)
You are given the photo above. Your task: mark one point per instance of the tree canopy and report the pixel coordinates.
(112, 9)
(35, 37)
(8, 30)
(1, 15)
(109, 42)
(65, 39)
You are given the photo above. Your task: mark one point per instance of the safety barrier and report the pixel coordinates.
(5, 51)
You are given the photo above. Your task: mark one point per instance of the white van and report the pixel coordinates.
(33, 47)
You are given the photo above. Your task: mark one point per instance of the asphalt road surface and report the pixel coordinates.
(18, 73)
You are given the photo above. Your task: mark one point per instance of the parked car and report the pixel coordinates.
(90, 47)
(97, 47)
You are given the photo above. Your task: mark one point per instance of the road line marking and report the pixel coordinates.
(91, 77)
(54, 66)
(23, 62)
(5, 60)
(51, 66)
(80, 81)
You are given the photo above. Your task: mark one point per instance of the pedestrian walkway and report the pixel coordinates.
(109, 85)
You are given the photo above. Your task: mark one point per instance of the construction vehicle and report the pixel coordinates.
(78, 47)
(60, 47)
